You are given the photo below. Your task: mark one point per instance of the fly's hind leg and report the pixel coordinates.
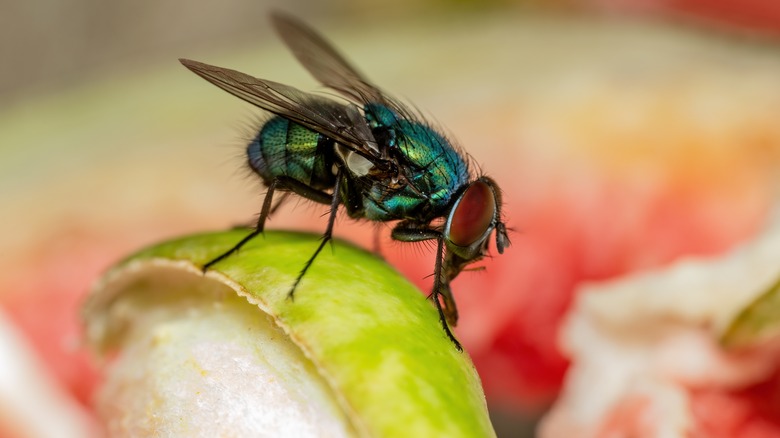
(282, 183)
(258, 228)
(279, 202)
(326, 236)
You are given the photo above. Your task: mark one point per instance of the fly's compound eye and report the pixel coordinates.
(473, 217)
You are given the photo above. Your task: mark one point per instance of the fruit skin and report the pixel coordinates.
(372, 335)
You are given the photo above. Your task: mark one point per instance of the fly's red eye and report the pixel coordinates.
(473, 214)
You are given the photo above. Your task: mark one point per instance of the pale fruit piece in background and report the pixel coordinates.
(642, 345)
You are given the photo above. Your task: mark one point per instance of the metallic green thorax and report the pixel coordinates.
(284, 148)
(431, 172)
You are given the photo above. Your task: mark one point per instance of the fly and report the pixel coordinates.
(370, 154)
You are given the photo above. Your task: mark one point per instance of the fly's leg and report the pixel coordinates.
(279, 203)
(283, 183)
(447, 296)
(258, 228)
(451, 310)
(378, 240)
(447, 313)
(326, 236)
(301, 189)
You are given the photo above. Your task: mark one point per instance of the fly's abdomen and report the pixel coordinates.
(284, 148)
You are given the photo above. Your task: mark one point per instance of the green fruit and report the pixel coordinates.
(355, 326)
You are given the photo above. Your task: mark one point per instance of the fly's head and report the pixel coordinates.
(474, 215)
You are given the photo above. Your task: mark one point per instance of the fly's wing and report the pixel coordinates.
(330, 68)
(323, 61)
(342, 123)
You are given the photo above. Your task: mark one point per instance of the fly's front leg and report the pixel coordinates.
(450, 309)
(448, 314)
(437, 290)
(443, 275)
(452, 265)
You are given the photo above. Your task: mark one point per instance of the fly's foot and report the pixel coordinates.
(449, 334)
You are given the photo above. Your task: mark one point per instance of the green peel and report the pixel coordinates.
(367, 331)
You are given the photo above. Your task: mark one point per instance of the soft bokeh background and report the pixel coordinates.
(625, 134)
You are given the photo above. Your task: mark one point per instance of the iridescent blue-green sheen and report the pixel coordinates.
(284, 148)
(433, 168)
